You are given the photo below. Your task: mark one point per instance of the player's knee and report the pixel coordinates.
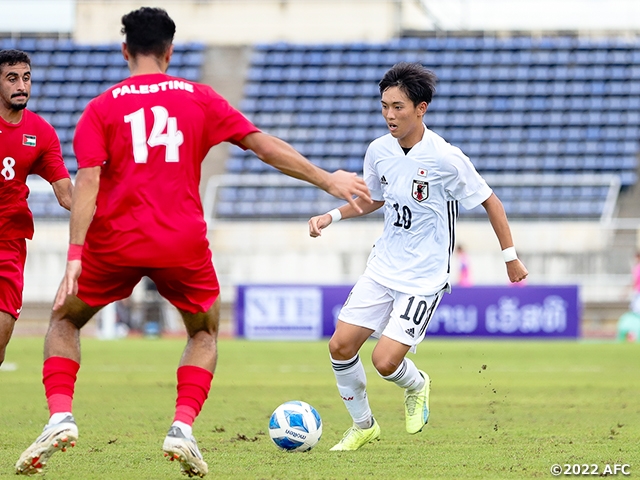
(341, 350)
(202, 323)
(62, 322)
(73, 315)
(384, 366)
(205, 330)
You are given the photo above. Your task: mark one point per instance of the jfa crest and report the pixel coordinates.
(420, 191)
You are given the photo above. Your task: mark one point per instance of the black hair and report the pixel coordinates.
(416, 81)
(13, 57)
(149, 31)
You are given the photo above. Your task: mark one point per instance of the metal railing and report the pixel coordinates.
(612, 182)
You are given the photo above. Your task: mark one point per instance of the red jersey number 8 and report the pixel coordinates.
(7, 168)
(172, 139)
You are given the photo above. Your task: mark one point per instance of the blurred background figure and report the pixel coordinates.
(634, 306)
(464, 270)
(153, 316)
(628, 327)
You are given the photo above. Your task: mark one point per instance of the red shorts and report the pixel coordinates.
(13, 254)
(192, 287)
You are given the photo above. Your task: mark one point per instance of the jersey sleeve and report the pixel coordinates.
(89, 140)
(50, 164)
(462, 181)
(370, 176)
(226, 123)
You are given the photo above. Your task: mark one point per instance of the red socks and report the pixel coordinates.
(193, 389)
(59, 378)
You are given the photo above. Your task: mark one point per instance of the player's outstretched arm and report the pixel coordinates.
(83, 204)
(319, 222)
(279, 154)
(63, 190)
(498, 218)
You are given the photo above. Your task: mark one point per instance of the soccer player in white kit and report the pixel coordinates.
(419, 179)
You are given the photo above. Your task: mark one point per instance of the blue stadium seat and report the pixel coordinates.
(67, 149)
(60, 59)
(27, 44)
(81, 103)
(74, 74)
(44, 104)
(115, 59)
(46, 44)
(65, 134)
(53, 74)
(114, 75)
(62, 120)
(66, 104)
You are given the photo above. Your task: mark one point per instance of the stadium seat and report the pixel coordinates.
(46, 44)
(65, 104)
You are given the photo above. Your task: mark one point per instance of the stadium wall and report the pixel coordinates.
(247, 22)
(37, 16)
(243, 22)
(282, 252)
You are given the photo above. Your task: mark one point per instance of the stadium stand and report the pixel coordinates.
(66, 76)
(552, 121)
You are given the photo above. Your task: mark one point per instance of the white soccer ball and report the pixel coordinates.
(295, 426)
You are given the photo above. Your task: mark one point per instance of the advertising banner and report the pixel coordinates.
(300, 312)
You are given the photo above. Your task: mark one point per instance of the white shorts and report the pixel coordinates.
(399, 316)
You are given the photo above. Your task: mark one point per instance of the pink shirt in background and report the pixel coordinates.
(636, 278)
(464, 279)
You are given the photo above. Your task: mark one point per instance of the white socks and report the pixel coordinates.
(186, 429)
(58, 417)
(407, 376)
(352, 385)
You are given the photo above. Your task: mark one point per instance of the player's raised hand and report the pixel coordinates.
(347, 185)
(516, 271)
(317, 223)
(69, 284)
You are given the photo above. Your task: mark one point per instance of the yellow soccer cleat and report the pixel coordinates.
(416, 406)
(356, 437)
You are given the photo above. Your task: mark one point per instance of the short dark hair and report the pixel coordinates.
(149, 31)
(416, 81)
(13, 57)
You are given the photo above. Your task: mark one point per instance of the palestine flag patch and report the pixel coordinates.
(29, 140)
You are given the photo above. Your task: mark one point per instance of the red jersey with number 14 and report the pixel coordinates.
(30, 146)
(150, 134)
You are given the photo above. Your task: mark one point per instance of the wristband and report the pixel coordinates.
(509, 254)
(75, 252)
(336, 216)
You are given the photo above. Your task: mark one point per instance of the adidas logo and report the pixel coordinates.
(383, 180)
(410, 331)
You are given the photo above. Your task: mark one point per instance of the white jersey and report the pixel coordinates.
(421, 191)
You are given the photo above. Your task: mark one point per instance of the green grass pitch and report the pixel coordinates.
(498, 410)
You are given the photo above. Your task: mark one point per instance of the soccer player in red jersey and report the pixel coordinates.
(136, 212)
(28, 145)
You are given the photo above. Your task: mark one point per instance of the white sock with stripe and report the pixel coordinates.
(407, 376)
(352, 385)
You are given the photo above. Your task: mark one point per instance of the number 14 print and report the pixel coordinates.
(171, 139)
